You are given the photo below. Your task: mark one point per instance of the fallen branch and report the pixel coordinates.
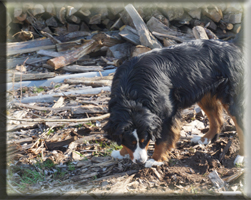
(62, 120)
(74, 56)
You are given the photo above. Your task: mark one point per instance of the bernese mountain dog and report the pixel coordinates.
(149, 91)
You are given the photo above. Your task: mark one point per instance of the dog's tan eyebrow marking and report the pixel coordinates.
(134, 142)
(142, 140)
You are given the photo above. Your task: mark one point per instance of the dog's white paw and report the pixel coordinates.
(197, 139)
(152, 162)
(116, 154)
(239, 160)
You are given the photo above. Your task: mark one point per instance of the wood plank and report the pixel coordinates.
(79, 68)
(146, 38)
(130, 34)
(26, 77)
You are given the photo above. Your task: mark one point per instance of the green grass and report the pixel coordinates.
(46, 164)
(71, 167)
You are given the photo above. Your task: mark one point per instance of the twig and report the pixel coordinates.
(54, 40)
(62, 120)
(225, 150)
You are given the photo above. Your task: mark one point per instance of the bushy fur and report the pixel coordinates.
(149, 91)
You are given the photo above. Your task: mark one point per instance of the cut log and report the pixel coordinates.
(61, 15)
(53, 54)
(84, 27)
(18, 11)
(106, 39)
(120, 51)
(53, 39)
(51, 22)
(12, 63)
(84, 11)
(210, 34)
(168, 42)
(130, 34)
(79, 68)
(167, 36)
(24, 77)
(20, 51)
(155, 25)
(119, 23)
(70, 11)
(233, 18)
(74, 19)
(139, 49)
(50, 8)
(195, 13)
(99, 83)
(72, 27)
(68, 45)
(38, 9)
(22, 17)
(73, 56)
(236, 28)
(199, 33)
(173, 13)
(89, 109)
(145, 37)
(213, 13)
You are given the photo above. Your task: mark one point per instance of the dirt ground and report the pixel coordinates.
(98, 174)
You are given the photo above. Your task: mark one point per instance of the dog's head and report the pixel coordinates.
(133, 127)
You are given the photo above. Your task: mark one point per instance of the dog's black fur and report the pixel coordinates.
(149, 91)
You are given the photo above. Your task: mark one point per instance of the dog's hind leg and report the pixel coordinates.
(239, 128)
(213, 109)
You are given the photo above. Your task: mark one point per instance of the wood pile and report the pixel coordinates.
(152, 26)
(65, 35)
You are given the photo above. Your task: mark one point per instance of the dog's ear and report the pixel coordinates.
(154, 126)
(113, 131)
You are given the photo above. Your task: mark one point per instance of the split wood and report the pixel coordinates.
(62, 120)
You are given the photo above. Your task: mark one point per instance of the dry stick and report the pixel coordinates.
(225, 150)
(21, 80)
(167, 36)
(62, 120)
(54, 40)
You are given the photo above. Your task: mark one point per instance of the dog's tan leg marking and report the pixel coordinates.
(123, 151)
(213, 109)
(161, 151)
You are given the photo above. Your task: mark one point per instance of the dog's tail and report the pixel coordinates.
(239, 39)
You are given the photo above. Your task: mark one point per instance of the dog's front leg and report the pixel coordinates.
(159, 156)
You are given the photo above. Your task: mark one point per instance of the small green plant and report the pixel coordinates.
(51, 130)
(79, 125)
(56, 86)
(46, 164)
(38, 89)
(71, 167)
